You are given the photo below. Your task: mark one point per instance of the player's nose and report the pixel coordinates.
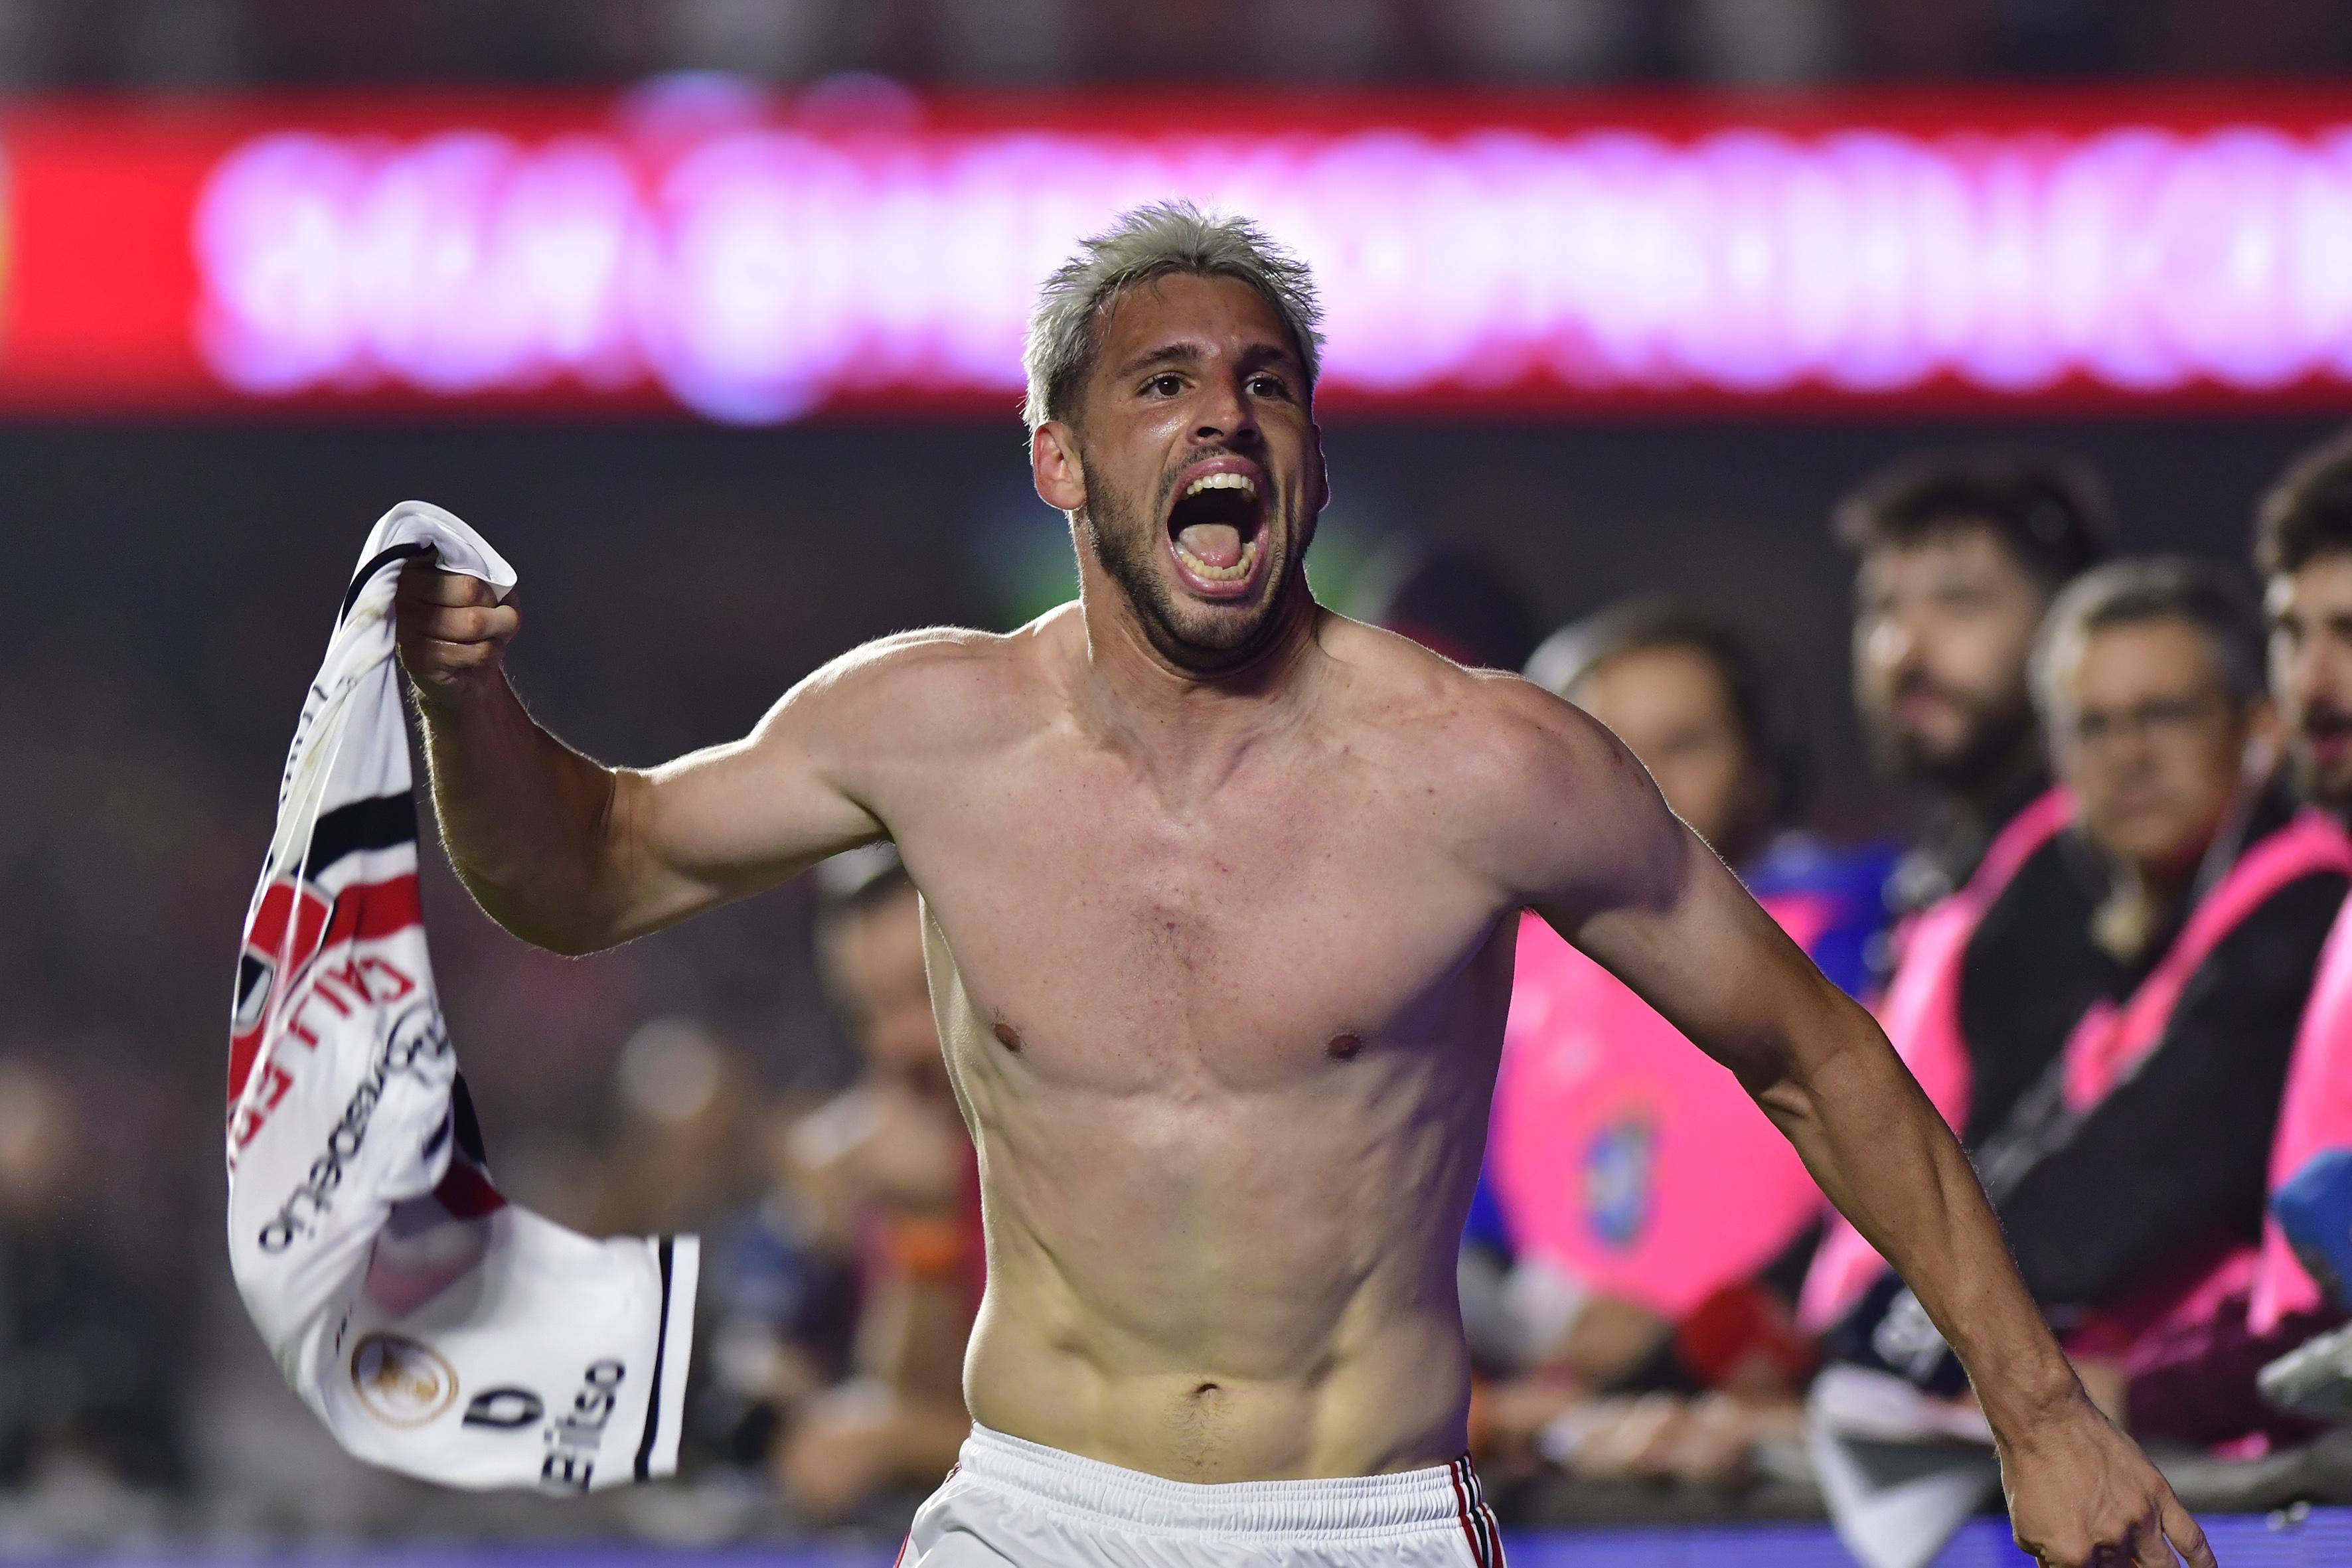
(1224, 416)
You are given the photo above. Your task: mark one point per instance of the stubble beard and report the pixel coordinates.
(1993, 740)
(2332, 794)
(1125, 539)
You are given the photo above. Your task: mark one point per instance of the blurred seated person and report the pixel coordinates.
(1449, 599)
(686, 1137)
(2130, 1175)
(1658, 1221)
(2303, 549)
(887, 1173)
(1958, 556)
(692, 1150)
(88, 1345)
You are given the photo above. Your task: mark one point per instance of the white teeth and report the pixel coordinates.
(1233, 573)
(1227, 481)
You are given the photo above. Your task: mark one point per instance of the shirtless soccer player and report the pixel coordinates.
(1221, 891)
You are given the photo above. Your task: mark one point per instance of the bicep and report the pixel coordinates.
(1596, 852)
(731, 820)
(1697, 947)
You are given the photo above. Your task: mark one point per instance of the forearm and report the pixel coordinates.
(1881, 1152)
(528, 822)
(1621, 878)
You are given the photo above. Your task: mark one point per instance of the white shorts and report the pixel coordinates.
(1010, 1501)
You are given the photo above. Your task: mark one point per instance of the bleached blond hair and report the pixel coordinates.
(1149, 242)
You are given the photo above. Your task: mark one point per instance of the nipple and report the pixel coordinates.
(1343, 1047)
(1009, 1037)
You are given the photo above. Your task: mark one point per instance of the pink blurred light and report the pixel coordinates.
(758, 271)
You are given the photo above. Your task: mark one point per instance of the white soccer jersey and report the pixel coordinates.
(435, 1328)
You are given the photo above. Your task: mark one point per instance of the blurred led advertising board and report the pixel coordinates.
(698, 246)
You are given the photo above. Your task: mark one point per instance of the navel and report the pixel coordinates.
(1008, 1036)
(1343, 1047)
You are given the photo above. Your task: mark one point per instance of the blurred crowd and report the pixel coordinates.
(2109, 952)
(75, 43)
(2113, 962)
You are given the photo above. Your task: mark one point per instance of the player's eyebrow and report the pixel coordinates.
(1252, 358)
(1267, 354)
(1166, 353)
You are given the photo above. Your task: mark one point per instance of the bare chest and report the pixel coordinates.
(1286, 920)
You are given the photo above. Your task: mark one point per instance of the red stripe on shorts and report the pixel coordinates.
(1485, 1514)
(1462, 1511)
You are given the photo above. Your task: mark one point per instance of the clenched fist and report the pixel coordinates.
(452, 631)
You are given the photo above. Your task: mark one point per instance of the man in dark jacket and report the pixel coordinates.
(2133, 1161)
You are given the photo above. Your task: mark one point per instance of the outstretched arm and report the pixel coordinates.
(574, 856)
(1619, 876)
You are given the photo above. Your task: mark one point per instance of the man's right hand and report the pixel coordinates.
(452, 631)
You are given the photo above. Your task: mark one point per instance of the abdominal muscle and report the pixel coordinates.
(1229, 1286)
(1391, 1397)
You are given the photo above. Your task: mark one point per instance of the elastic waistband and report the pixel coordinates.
(1442, 1496)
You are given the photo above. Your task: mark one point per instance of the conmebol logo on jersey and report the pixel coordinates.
(755, 272)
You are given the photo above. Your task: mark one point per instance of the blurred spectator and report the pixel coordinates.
(683, 1148)
(2130, 1177)
(885, 1173)
(1719, 728)
(1691, 699)
(1958, 558)
(1659, 1222)
(2303, 547)
(1448, 599)
(87, 1391)
(684, 1156)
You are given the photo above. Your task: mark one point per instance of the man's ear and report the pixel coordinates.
(1054, 468)
(1322, 496)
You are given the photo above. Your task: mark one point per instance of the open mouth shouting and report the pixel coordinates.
(1216, 527)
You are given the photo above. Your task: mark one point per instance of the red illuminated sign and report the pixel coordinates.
(695, 245)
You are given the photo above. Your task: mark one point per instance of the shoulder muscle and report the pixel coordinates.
(1564, 815)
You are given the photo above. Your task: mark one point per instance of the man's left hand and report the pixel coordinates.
(2082, 1494)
